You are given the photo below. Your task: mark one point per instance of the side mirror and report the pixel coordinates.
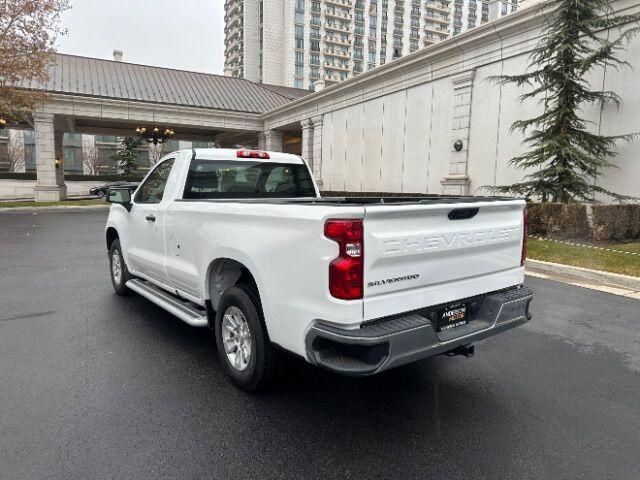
(121, 196)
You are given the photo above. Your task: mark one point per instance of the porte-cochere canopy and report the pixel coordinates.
(95, 96)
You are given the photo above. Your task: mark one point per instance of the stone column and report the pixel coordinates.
(273, 140)
(49, 179)
(456, 182)
(317, 149)
(307, 141)
(15, 146)
(262, 142)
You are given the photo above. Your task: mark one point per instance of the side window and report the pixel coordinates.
(152, 189)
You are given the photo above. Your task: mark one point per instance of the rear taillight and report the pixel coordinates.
(252, 154)
(525, 231)
(346, 271)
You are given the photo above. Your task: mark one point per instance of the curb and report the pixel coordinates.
(52, 207)
(615, 279)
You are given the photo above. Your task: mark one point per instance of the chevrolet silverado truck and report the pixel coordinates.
(241, 241)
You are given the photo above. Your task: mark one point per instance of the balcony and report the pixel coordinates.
(337, 53)
(346, 3)
(232, 6)
(337, 26)
(337, 40)
(233, 21)
(442, 7)
(436, 18)
(438, 30)
(235, 33)
(336, 66)
(337, 14)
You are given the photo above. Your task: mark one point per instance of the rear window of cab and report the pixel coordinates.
(247, 179)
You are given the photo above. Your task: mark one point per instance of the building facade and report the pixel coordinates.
(311, 43)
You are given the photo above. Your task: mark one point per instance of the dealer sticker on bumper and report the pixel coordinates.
(453, 317)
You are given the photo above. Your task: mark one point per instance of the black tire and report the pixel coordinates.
(100, 193)
(260, 368)
(119, 283)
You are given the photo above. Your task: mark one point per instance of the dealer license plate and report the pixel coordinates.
(453, 316)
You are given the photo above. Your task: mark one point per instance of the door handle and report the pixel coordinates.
(151, 218)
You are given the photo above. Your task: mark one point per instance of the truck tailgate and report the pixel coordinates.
(420, 255)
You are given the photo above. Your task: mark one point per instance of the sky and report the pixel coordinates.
(184, 34)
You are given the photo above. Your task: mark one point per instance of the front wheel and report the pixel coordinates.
(118, 269)
(100, 193)
(244, 348)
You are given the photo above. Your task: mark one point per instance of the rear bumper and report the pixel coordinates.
(391, 342)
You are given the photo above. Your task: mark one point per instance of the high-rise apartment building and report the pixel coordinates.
(300, 43)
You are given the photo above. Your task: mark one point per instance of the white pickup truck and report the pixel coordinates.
(241, 241)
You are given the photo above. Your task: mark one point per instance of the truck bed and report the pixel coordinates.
(359, 201)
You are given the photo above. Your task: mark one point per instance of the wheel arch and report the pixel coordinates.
(226, 272)
(111, 235)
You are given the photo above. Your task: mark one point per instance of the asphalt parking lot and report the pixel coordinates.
(96, 386)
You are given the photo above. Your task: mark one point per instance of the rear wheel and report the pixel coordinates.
(244, 348)
(118, 269)
(100, 193)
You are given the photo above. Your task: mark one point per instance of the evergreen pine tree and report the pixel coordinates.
(567, 155)
(125, 156)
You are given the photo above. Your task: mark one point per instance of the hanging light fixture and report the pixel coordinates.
(3, 122)
(155, 135)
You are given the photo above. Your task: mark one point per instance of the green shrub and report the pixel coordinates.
(558, 220)
(616, 222)
(103, 178)
(17, 176)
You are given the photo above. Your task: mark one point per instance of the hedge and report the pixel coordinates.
(584, 222)
(18, 176)
(76, 177)
(616, 222)
(558, 220)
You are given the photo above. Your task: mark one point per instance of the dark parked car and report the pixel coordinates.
(101, 190)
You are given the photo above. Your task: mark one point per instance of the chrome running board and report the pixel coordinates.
(182, 309)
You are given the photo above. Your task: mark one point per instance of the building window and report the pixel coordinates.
(298, 83)
(299, 70)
